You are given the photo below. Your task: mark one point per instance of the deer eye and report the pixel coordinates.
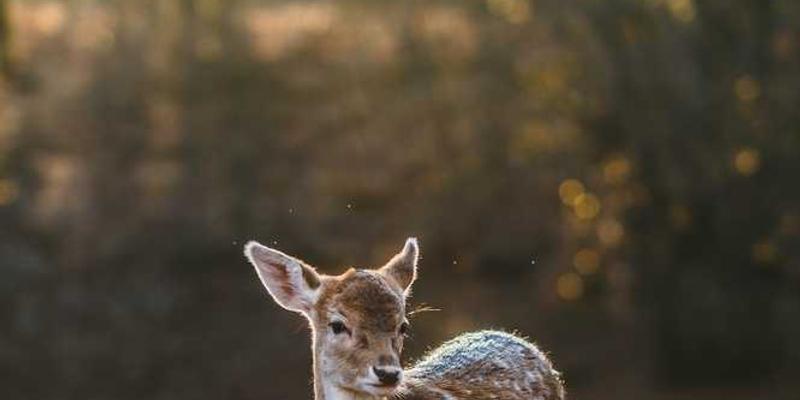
(338, 327)
(403, 328)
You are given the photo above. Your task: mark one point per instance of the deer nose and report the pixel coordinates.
(387, 375)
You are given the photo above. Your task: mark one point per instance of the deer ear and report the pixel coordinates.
(293, 284)
(402, 268)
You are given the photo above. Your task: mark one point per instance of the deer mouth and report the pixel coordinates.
(374, 389)
(385, 385)
(383, 389)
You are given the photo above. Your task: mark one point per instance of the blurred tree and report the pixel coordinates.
(614, 178)
(5, 40)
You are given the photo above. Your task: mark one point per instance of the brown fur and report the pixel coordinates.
(371, 306)
(374, 308)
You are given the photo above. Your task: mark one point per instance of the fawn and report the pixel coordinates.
(358, 322)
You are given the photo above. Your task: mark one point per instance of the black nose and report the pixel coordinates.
(387, 377)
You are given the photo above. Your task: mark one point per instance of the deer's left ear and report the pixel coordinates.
(402, 268)
(292, 284)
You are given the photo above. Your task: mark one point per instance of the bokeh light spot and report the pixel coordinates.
(617, 170)
(764, 252)
(50, 17)
(747, 161)
(513, 11)
(586, 206)
(682, 10)
(569, 190)
(569, 286)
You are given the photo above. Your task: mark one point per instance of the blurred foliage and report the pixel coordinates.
(616, 179)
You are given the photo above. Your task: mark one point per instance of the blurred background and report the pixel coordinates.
(617, 180)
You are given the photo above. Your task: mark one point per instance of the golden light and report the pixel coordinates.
(277, 30)
(514, 11)
(682, 10)
(747, 161)
(747, 89)
(764, 252)
(94, 28)
(617, 170)
(552, 79)
(569, 286)
(8, 191)
(569, 190)
(610, 232)
(49, 17)
(448, 30)
(586, 206)
(586, 261)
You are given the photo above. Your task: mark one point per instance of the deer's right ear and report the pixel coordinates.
(403, 266)
(293, 284)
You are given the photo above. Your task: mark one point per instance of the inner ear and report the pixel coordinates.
(310, 276)
(402, 268)
(291, 283)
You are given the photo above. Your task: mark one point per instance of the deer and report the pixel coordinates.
(358, 323)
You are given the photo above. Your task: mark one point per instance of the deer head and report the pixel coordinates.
(358, 318)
